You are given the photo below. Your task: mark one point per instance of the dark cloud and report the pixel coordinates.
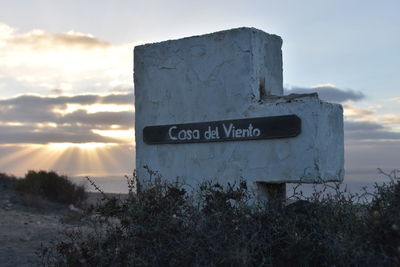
(123, 118)
(361, 126)
(372, 135)
(328, 93)
(366, 131)
(31, 135)
(122, 89)
(86, 99)
(35, 112)
(32, 108)
(57, 91)
(126, 99)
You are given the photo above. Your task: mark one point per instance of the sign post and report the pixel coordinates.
(212, 107)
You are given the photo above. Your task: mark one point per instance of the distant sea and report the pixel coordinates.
(109, 184)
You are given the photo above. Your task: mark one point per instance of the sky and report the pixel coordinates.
(66, 67)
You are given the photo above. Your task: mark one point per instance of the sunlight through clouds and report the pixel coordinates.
(67, 98)
(57, 109)
(125, 135)
(82, 133)
(69, 62)
(70, 108)
(95, 158)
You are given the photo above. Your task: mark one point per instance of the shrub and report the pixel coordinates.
(7, 181)
(216, 225)
(50, 185)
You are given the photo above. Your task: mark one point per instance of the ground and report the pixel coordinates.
(26, 223)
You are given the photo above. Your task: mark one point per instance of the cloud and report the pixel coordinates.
(328, 92)
(395, 99)
(82, 99)
(367, 131)
(99, 119)
(392, 118)
(70, 62)
(57, 91)
(51, 119)
(39, 109)
(40, 39)
(373, 135)
(361, 126)
(358, 113)
(354, 114)
(37, 119)
(31, 135)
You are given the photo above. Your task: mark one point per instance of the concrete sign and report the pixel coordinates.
(193, 94)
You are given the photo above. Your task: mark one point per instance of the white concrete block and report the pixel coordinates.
(231, 75)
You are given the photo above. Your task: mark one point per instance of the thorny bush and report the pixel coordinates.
(164, 224)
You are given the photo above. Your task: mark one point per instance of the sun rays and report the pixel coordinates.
(89, 158)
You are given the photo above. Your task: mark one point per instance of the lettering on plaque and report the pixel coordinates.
(220, 131)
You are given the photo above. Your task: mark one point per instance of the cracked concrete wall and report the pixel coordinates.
(231, 75)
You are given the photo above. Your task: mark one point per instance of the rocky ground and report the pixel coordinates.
(27, 223)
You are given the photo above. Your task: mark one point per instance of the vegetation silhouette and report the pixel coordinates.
(164, 224)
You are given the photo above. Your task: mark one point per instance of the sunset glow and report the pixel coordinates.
(94, 158)
(66, 74)
(126, 135)
(70, 108)
(57, 124)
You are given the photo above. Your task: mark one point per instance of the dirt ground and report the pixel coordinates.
(27, 223)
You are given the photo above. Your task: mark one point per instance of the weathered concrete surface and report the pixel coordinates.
(231, 75)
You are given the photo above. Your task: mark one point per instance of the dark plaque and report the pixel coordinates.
(221, 131)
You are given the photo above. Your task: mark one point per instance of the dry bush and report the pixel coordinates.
(7, 181)
(164, 225)
(51, 186)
